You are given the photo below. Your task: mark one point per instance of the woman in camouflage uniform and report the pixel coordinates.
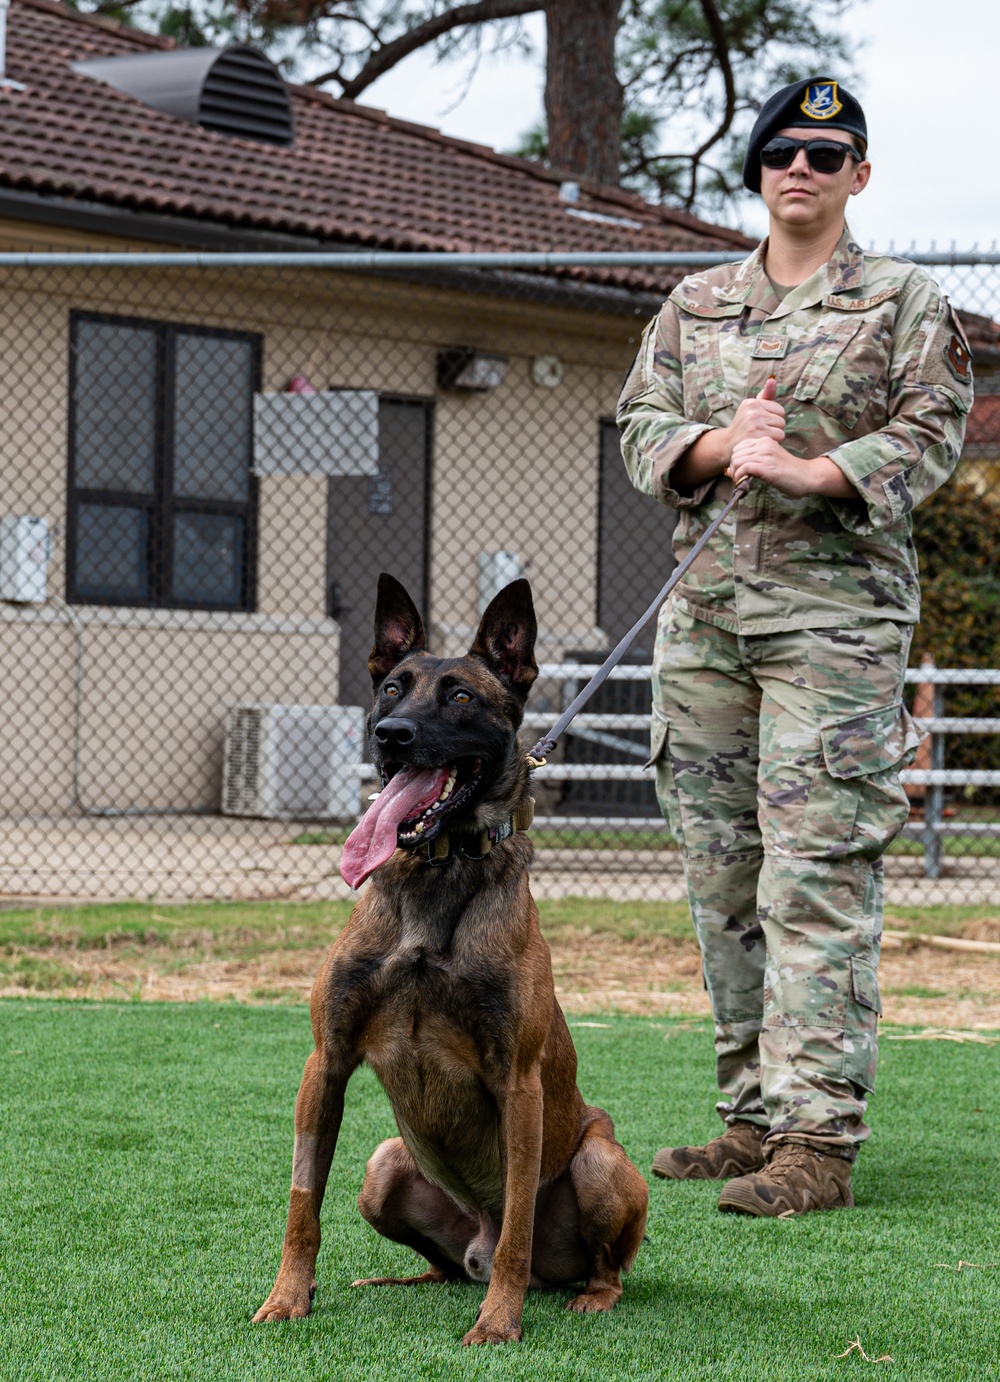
(840, 381)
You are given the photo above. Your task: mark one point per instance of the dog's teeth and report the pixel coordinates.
(372, 796)
(420, 826)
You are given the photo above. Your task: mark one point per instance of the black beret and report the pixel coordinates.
(820, 101)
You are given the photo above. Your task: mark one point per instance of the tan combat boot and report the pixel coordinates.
(735, 1153)
(795, 1180)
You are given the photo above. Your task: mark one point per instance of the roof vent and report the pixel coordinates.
(233, 91)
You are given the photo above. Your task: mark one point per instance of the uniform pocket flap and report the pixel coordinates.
(657, 739)
(872, 742)
(864, 983)
(824, 353)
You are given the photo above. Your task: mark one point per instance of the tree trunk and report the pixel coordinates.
(583, 96)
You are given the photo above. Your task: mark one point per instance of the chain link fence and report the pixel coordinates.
(206, 467)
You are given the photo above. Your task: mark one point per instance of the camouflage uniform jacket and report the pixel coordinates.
(872, 370)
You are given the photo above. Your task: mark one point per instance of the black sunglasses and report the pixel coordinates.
(824, 155)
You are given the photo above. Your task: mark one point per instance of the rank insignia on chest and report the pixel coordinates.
(769, 348)
(821, 101)
(959, 360)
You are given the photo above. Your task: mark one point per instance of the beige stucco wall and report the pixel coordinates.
(153, 702)
(515, 468)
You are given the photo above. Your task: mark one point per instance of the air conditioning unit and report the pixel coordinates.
(293, 761)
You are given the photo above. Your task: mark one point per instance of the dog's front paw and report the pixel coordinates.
(286, 1302)
(495, 1329)
(594, 1300)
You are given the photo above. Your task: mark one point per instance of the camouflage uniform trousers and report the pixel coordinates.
(777, 762)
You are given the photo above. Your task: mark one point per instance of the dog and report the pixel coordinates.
(442, 983)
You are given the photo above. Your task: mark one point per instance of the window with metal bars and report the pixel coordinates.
(162, 503)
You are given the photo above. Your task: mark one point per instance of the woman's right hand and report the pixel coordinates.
(757, 417)
(711, 453)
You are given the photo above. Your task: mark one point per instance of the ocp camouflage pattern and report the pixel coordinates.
(777, 765)
(872, 370)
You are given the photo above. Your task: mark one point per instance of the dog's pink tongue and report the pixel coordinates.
(373, 839)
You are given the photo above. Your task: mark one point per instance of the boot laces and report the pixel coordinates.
(795, 1154)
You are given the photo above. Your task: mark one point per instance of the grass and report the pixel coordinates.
(957, 846)
(245, 927)
(334, 836)
(229, 924)
(543, 837)
(249, 927)
(954, 846)
(147, 1153)
(40, 948)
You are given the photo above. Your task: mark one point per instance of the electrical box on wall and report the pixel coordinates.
(496, 569)
(24, 559)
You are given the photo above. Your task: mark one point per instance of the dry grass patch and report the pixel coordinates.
(626, 957)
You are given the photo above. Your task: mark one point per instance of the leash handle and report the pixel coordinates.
(546, 745)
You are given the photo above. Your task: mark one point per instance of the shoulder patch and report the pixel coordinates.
(861, 304)
(958, 358)
(945, 360)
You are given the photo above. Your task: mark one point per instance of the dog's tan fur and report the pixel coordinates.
(442, 983)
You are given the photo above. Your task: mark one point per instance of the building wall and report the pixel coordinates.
(515, 468)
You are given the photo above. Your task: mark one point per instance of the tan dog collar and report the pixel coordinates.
(444, 847)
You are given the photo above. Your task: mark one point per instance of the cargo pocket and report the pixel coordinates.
(864, 985)
(856, 803)
(659, 758)
(657, 741)
(860, 1032)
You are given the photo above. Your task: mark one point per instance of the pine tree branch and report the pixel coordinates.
(721, 45)
(389, 54)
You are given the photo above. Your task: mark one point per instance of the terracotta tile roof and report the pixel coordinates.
(983, 428)
(983, 335)
(354, 176)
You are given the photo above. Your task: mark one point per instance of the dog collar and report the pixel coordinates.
(443, 848)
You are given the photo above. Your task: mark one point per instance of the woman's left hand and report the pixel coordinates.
(767, 460)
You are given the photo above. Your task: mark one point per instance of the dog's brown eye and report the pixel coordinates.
(462, 697)
(390, 690)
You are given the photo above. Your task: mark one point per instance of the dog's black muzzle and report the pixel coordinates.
(393, 735)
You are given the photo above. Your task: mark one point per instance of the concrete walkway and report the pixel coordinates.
(180, 858)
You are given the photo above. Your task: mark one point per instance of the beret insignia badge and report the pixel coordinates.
(959, 360)
(821, 101)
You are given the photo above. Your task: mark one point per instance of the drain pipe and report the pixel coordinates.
(6, 83)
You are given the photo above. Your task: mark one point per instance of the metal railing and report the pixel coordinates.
(606, 730)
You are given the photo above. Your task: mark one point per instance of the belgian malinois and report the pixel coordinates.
(442, 982)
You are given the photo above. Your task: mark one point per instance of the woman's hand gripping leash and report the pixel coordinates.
(538, 755)
(760, 455)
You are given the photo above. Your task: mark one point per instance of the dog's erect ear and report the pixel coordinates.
(399, 629)
(506, 638)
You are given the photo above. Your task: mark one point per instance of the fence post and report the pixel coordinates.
(934, 797)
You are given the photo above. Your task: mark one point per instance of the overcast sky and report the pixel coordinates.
(928, 77)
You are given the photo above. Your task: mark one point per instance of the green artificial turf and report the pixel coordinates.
(146, 1157)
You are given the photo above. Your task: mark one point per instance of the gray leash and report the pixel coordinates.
(545, 745)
